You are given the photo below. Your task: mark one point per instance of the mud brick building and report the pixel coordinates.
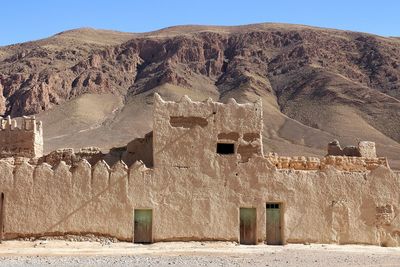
(210, 180)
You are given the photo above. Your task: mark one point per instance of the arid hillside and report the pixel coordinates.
(94, 87)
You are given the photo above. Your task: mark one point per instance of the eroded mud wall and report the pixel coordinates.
(327, 206)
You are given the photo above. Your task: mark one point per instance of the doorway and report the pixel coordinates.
(143, 222)
(1, 217)
(248, 226)
(274, 232)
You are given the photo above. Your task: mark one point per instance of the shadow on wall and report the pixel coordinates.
(139, 149)
(96, 197)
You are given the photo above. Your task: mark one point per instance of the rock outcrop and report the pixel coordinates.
(337, 84)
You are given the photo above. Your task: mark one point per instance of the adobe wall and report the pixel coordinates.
(196, 193)
(342, 163)
(23, 139)
(41, 200)
(314, 192)
(327, 206)
(186, 133)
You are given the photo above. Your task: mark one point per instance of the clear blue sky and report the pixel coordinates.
(24, 20)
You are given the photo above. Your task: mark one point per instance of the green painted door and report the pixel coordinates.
(274, 224)
(248, 226)
(143, 226)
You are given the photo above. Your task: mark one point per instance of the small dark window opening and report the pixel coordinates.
(225, 149)
(272, 206)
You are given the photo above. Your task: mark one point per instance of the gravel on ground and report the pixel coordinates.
(94, 253)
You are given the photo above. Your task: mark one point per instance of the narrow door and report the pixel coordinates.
(274, 224)
(1, 217)
(143, 226)
(248, 226)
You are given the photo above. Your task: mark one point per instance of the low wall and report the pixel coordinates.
(343, 163)
(40, 200)
(328, 206)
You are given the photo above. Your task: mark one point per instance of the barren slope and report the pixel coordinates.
(316, 84)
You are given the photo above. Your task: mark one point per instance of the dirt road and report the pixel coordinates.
(65, 253)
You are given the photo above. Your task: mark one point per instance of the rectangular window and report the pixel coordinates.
(225, 149)
(272, 206)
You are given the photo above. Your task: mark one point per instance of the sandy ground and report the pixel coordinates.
(65, 253)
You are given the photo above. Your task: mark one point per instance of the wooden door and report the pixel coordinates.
(1, 217)
(143, 219)
(274, 224)
(248, 226)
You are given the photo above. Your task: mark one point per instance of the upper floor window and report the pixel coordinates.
(225, 148)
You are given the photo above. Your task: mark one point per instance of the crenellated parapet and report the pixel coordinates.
(191, 133)
(70, 199)
(208, 166)
(359, 158)
(100, 175)
(365, 149)
(22, 137)
(26, 124)
(341, 163)
(224, 117)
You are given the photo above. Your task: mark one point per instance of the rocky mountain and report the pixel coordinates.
(95, 87)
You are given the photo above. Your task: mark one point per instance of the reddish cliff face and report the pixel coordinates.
(313, 82)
